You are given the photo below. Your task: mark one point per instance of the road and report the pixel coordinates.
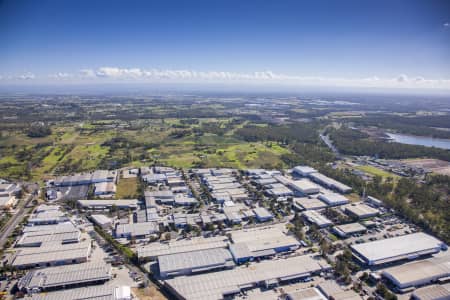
(330, 145)
(9, 227)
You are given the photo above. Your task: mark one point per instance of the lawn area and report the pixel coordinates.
(127, 188)
(377, 172)
(87, 156)
(214, 151)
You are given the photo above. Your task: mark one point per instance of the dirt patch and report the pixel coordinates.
(148, 293)
(434, 165)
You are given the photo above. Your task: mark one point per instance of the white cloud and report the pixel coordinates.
(60, 75)
(402, 78)
(87, 73)
(109, 74)
(26, 76)
(446, 24)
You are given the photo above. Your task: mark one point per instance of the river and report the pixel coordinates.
(419, 140)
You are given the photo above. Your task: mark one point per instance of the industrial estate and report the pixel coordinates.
(217, 233)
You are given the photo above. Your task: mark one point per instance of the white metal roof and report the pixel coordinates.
(179, 246)
(397, 247)
(137, 228)
(333, 198)
(102, 292)
(361, 209)
(316, 218)
(194, 260)
(408, 274)
(214, 285)
(51, 253)
(101, 219)
(65, 275)
(263, 238)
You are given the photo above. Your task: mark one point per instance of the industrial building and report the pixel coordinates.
(102, 292)
(304, 171)
(86, 178)
(156, 249)
(46, 208)
(333, 199)
(432, 292)
(64, 277)
(279, 191)
(374, 201)
(136, 230)
(361, 210)
(154, 178)
(306, 294)
(102, 221)
(51, 255)
(107, 204)
(262, 214)
(7, 202)
(303, 187)
(61, 227)
(105, 189)
(418, 273)
(305, 203)
(315, 217)
(62, 235)
(218, 285)
(47, 217)
(260, 242)
(9, 189)
(162, 197)
(185, 200)
(398, 248)
(188, 263)
(332, 290)
(347, 230)
(264, 181)
(330, 183)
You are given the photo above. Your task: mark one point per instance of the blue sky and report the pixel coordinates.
(380, 43)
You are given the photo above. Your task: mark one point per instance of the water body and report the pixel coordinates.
(419, 140)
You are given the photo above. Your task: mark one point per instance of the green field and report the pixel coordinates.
(75, 147)
(127, 188)
(377, 172)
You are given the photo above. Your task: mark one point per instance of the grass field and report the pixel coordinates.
(127, 188)
(75, 147)
(377, 172)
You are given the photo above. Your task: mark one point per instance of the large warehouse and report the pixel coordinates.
(304, 186)
(346, 230)
(193, 262)
(315, 217)
(64, 235)
(217, 285)
(305, 203)
(51, 255)
(102, 292)
(432, 292)
(333, 199)
(403, 247)
(136, 230)
(418, 273)
(330, 183)
(260, 242)
(64, 277)
(107, 204)
(361, 210)
(153, 250)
